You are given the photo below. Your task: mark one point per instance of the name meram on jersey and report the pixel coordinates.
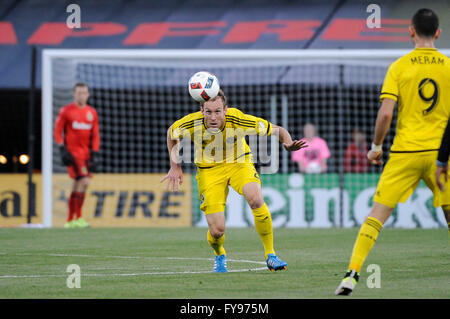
(420, 84)
(424, 59)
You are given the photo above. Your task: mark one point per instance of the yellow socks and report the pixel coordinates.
(263, 226)
(216, 244)
(367, 236)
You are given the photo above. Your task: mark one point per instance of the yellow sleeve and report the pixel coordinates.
(249, 123)
(390, 84)
(184, 127)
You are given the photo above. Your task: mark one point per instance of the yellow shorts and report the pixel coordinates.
(402, 175)
(213, 184)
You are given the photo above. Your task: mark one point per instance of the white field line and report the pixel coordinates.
(140, 257)
(133, 274)
(136, 274)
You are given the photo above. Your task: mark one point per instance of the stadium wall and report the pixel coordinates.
(314, 201)
(303, 201)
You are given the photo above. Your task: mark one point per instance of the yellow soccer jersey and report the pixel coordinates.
(420, 83)
(225, 146)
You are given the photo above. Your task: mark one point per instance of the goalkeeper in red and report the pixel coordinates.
(77, 135)
(223, 159)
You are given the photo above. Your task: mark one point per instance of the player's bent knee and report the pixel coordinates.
(257, 203)
(255, 200)
(217, 232)
(84, 182)
(81, 184)
(253, 195)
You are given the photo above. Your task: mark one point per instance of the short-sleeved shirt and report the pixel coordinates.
(227, 145)
(316, 151)
(420, 83)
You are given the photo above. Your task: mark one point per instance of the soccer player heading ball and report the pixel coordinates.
(420, 83)
(223, 159)
(77, 135)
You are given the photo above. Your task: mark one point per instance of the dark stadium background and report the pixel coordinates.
(23, 25)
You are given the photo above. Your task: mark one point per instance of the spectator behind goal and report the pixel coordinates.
(312, 159)
(355, 155)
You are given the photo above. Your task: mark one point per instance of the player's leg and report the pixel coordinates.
(79, 189)
(446, 209)
(447, 215)
(367, 235)
(245, 180)
(213, 191)
(81, 184)
(215, 218)
(400, 177)
(216, 232)
(72, 201)
(441, 198)
(261, 215)
(216, 238)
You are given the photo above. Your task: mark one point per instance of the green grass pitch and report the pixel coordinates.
(177, 263)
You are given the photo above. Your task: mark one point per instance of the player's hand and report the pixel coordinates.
(375, 157)
(439, 171)
(66, 156)
(92, 162)
(174, 178)
(295, 145)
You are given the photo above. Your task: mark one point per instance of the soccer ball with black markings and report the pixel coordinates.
(203, 86)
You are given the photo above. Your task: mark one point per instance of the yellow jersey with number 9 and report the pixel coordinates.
(420, 83)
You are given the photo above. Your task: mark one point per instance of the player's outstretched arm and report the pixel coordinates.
(175, 175)
(286, 139)
(382, 125)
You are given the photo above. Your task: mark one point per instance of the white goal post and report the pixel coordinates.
(255, 73)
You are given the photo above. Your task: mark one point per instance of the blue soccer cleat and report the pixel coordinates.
(274, 263)
(220, 263)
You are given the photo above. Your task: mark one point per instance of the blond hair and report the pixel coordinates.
(219, 95)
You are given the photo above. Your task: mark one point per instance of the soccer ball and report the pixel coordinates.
(203, 86)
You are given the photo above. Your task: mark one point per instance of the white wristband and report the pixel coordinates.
(377, 148)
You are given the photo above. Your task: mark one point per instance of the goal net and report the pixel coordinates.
(138, 94)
